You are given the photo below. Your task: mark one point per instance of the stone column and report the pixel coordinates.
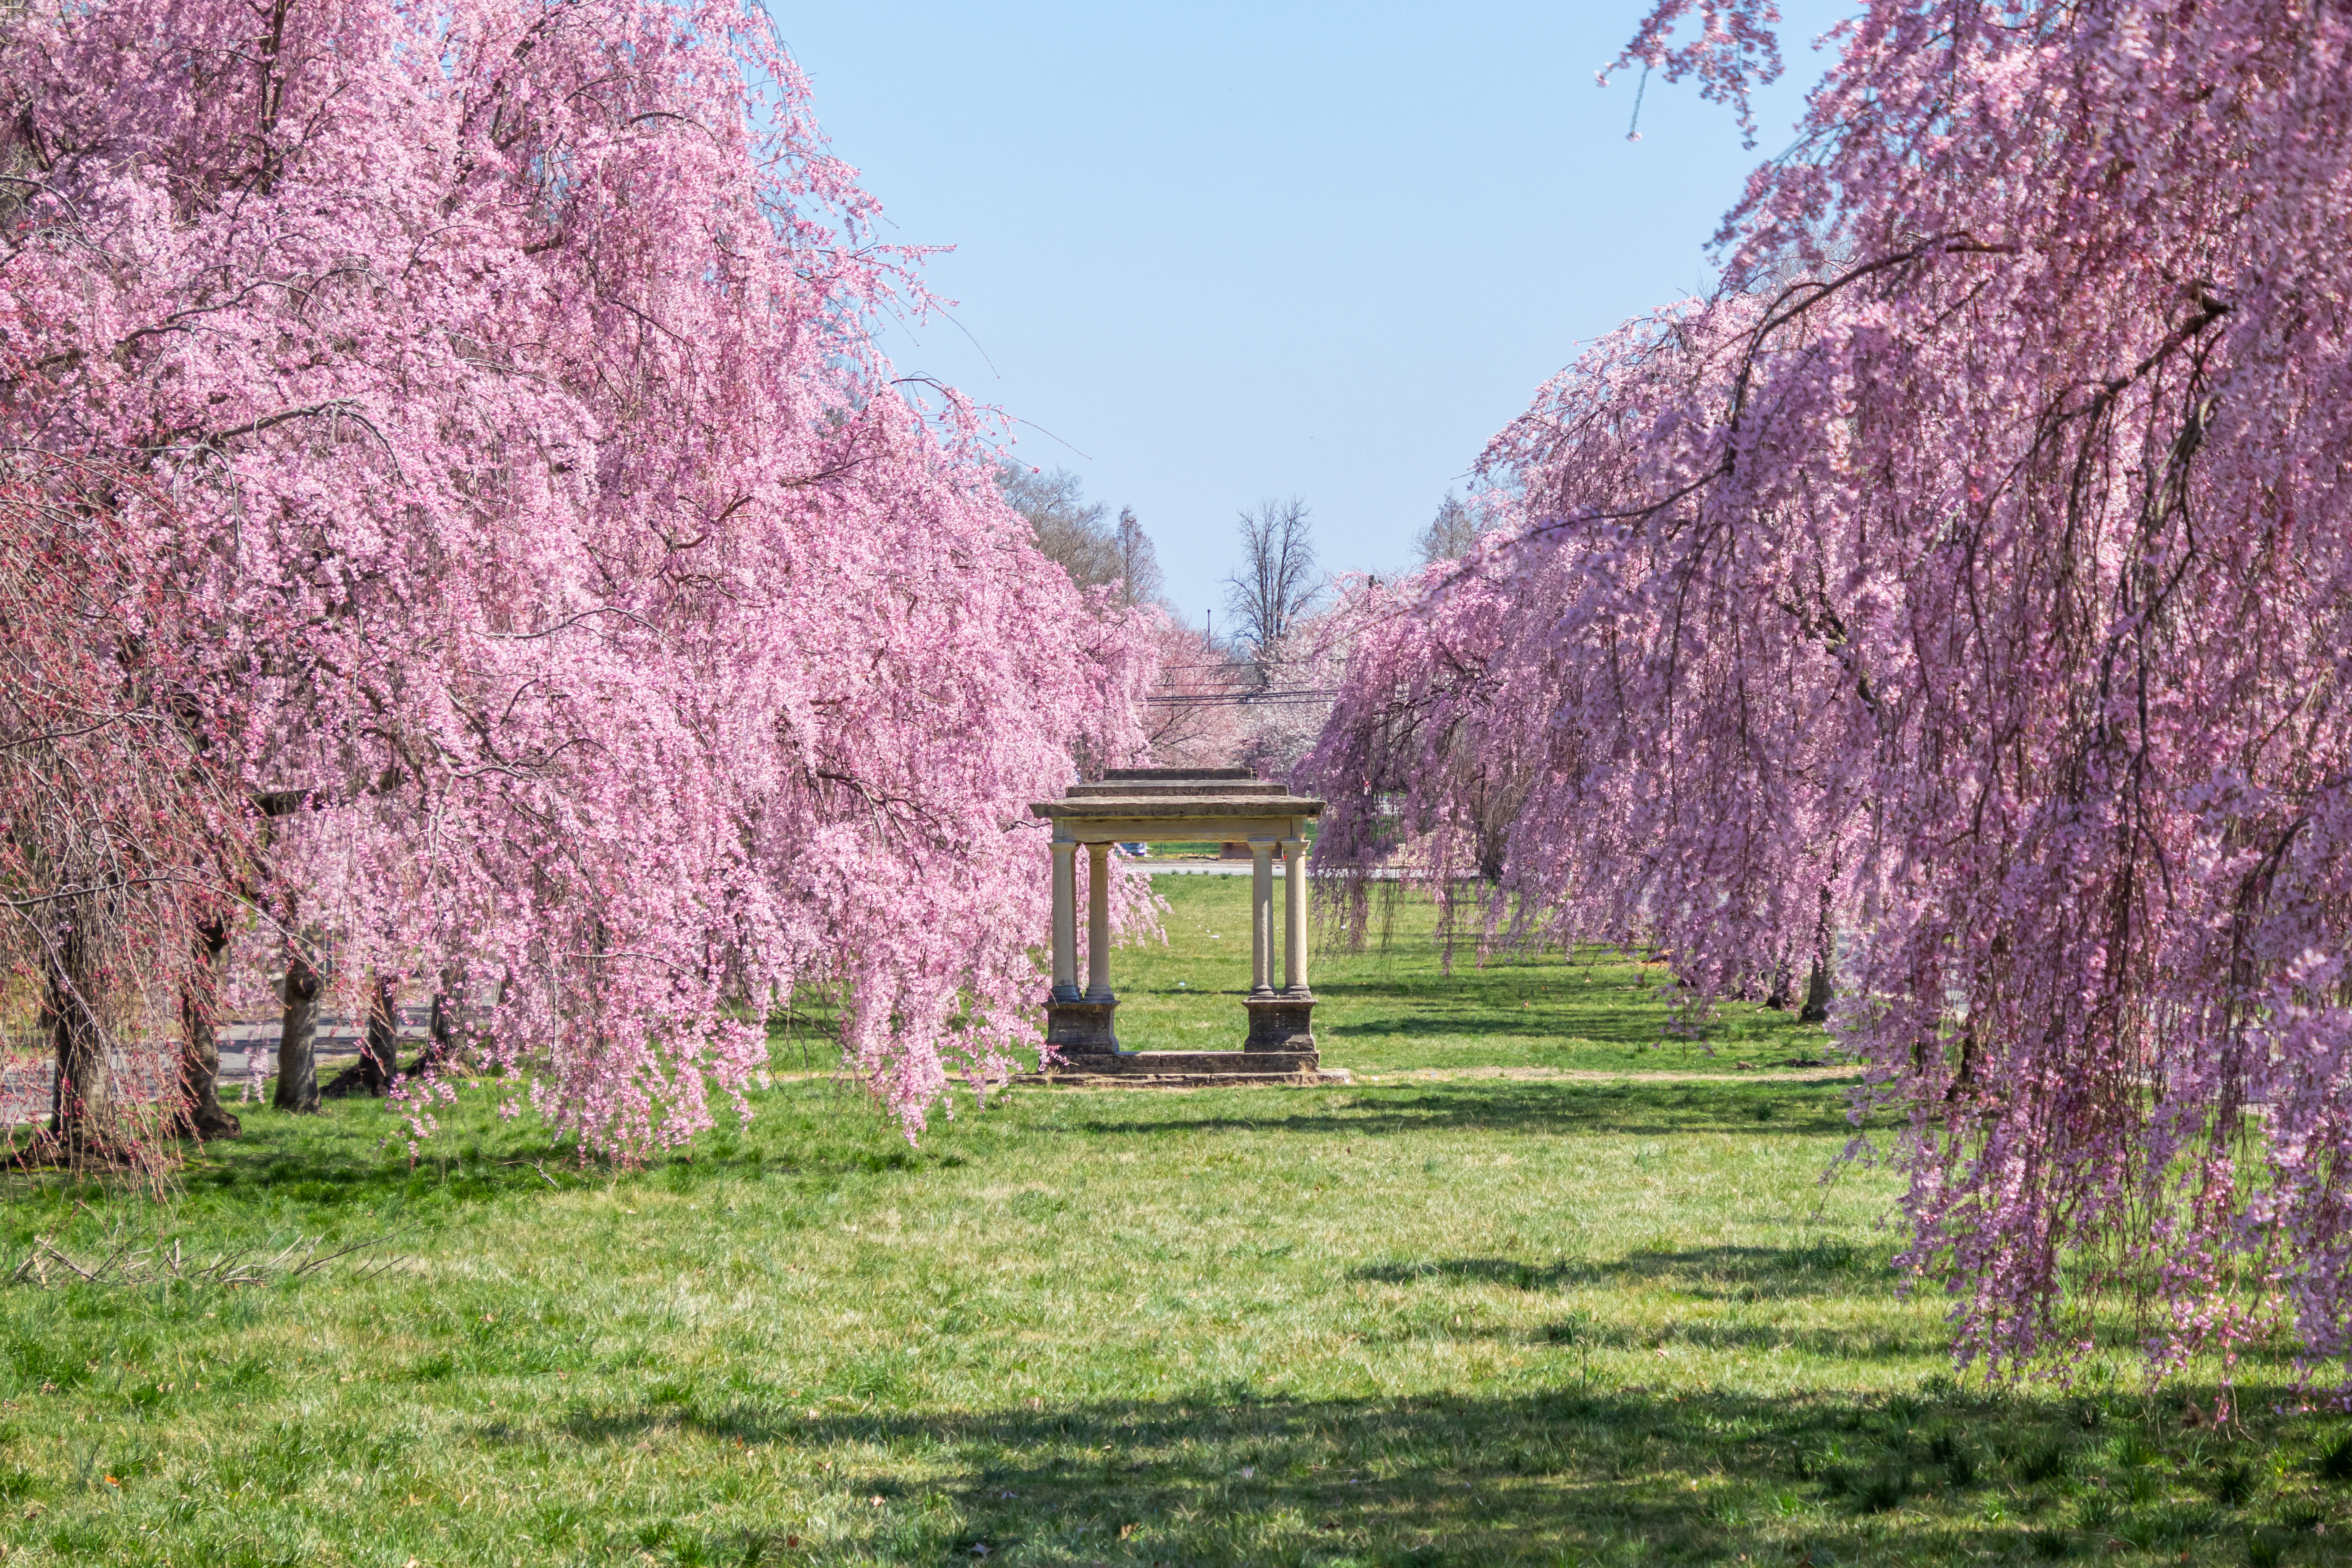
(1261, 916)
(1098, 922)
(1293, 916)
(1282, 1023)
(1066, 922)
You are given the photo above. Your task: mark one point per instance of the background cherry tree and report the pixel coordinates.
(563, 579)
(1957, 597)
(121, 834)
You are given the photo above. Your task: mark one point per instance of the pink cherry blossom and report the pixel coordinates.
(1963, 593)
(579, 597)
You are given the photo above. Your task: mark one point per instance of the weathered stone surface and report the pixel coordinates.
(1282, 1022)
(1149, 804)
(1180, 1069)
(1175, 789)
(1178, 775)
(1186, 807)
(1129, 1063)
(1087, 1027)
(1311, 1078)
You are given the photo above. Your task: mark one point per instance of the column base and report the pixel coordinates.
(1080, 1028)
(1281, 1022)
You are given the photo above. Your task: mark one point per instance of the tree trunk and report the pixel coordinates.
(1817, 983)
(298, 1060)
(379, 1061)
(442, 1032)
(1493, 841)
(1964, 1081)
(200, 1110)
(1778, 999)
(84, 1118)
(1817, 995)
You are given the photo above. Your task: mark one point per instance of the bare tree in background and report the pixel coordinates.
(1277, 585)
(1069, 528)
(1450, 534)
(1076, 534)
(1138, 563)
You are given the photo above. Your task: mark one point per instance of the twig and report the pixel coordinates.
(535, 1165)
(45, 1244)
(240, 1265)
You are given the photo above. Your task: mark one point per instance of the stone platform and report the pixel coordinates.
(1186, 1069)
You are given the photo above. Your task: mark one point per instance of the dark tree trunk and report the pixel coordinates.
(83, 1115)
(1779, 998)
(380, 1050)
(298, 1036)
(1964, 1081)
(201, 1113)
(1817, 983)
(1817, 995)
(379, 1061)
(1493, 842)
(441, 1028)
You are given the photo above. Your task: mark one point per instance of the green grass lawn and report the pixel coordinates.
(1464, 1319)
(1393, 1007)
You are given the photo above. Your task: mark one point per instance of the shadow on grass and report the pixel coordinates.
(354, 1161)
(1707, 1273)
(1474, 1020)
(1808, 1109)
(1828, 1268)
(353, 1164)
(1229, 1475)
(1538, 1031)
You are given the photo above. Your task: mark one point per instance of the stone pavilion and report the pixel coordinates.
(1170, 804)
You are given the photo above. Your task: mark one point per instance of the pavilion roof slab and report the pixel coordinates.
(1168, 775)
(1215, 788)
(1251, 806)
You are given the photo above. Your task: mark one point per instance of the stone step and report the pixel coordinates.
(1189, 1063)
(1327, 1078)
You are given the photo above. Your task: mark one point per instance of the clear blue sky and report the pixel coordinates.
(1228, 252)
